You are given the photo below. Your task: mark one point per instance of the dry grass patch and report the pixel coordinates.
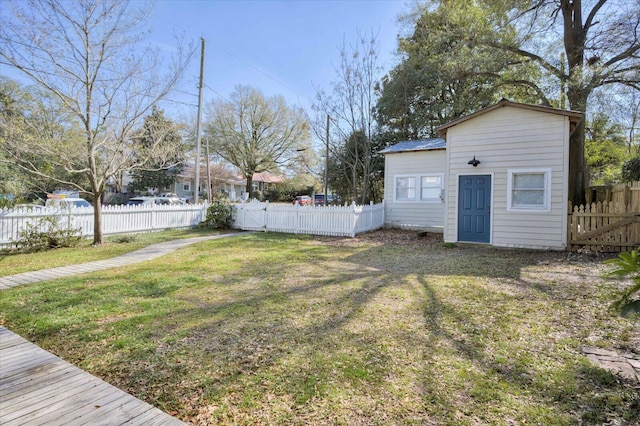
(387, 328)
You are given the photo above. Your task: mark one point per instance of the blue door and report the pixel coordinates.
(474, 208)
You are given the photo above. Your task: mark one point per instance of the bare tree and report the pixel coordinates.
(254, 133)
(350, 104)
(88, 54)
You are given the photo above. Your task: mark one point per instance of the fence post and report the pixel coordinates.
(354, 219)
(266, 216)
(627, 195)
(370, 215)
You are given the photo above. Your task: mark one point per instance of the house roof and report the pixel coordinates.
(574, 116)
(267, 178)
(421, 145)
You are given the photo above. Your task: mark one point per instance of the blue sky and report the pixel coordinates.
(286, 48)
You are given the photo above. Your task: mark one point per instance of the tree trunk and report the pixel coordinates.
(97, 219)
(577, 93)
(577, 165)
(249, 187)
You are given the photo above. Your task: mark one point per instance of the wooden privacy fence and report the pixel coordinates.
(625, 194)
(344, 221)
(603, 227)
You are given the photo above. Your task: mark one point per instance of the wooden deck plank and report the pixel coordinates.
(12, 350)
(12, 345)
(8, 340)
(44, 404)
(29, 382)
(11, 366)
(34, 374)
(44, 397)
(39, 388)
(70, 411)
(81, 413)
(51, 380)
(13, 353)
(147, 418)
(39, 391)
(116, 412)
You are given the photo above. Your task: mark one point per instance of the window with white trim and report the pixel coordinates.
(430, 187)
(419, 188)
(186, 186)
(529, 190)
(405, 188)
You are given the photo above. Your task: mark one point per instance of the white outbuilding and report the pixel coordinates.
(502, 174)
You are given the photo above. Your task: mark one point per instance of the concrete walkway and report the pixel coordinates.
(150, 252)
(37, 388)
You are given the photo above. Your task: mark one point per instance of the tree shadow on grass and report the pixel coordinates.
(336, 343)
(514, 382)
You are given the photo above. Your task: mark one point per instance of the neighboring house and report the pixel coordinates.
(265, 181)
(182, 186)
(223, 181)
(505, 177)
(414, 183)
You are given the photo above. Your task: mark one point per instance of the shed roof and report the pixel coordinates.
(574, 116)
(421, 145)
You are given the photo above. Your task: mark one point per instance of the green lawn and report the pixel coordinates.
(13, 262)
(386, 328)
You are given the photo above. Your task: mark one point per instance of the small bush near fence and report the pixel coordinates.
(32, 238)
(219, 215)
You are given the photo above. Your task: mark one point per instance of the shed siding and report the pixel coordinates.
(512, 138)
(419, 215)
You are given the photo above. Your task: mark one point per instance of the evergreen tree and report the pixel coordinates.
(158, 130)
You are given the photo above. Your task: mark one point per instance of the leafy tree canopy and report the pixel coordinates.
(29, 115)
(605, 150)
(553, 52)
(631, 170)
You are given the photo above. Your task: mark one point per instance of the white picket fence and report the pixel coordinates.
(343, 221)
(115, 219)
(346, 221)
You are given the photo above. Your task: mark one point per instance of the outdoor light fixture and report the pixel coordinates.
(474, 162)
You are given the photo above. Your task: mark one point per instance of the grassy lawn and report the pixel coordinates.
(386, 328)
(12, 262)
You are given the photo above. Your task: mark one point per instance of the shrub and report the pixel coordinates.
(33, 238)
(272, 195)
(219, 215)
(6, 203)
(125, 239)
(628, 266)
(631, 170)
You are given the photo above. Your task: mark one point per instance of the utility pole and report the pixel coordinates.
(326, 166)
(196, 196)
(208, 174)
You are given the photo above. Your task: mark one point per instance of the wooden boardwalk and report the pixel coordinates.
(38, 388)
